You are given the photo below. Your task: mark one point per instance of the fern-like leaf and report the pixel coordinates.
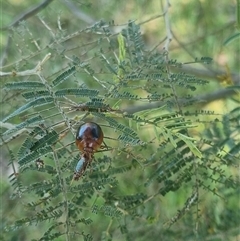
(190, 143)
(25, 148)
(65, 75)
(24, 85)
(128, 140)
(35, 103)
(34, 155)
(47, 140)
(33, 94)
(76, 92)
(32, 121)
(118, 126)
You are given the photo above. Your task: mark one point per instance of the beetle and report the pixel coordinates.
(89, 138)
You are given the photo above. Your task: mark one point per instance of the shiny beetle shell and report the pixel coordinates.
(89, 137)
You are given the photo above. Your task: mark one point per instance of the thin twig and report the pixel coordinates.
(153, 18)
(33, 71)
(23, 16)
(167, 25)
(166, 49)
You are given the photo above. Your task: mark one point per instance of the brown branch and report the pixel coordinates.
(206, 73)
(23, 16)
(201, 99)
(27, 14)
(34, 71)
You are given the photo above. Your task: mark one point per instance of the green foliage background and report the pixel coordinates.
(143, 71)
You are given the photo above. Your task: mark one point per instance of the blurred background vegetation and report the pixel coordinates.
(199, 28)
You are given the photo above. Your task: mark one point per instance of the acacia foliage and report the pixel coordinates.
(155, 151)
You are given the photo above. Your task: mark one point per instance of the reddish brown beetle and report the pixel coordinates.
(89, 139)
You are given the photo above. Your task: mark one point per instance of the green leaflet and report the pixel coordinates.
(24, 85)
(34, 120)
(121, 54)
(65, 75)
(86, 221)
(87, 186)
(109, 65)
(205, 60)
(95, 105)
(34, 103)
(77, 92)
(231, 38)
(169, 136)
(48, 214)
(48, 235)
(107, 210)
(42, 187)
(128, 140)
(49, 139)
(25, 147)
(129, 136)
(118, 126)
(121, 47)
(35, 155)
(125, 95)
(189, 142)
(133, 200)
(33, 94)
